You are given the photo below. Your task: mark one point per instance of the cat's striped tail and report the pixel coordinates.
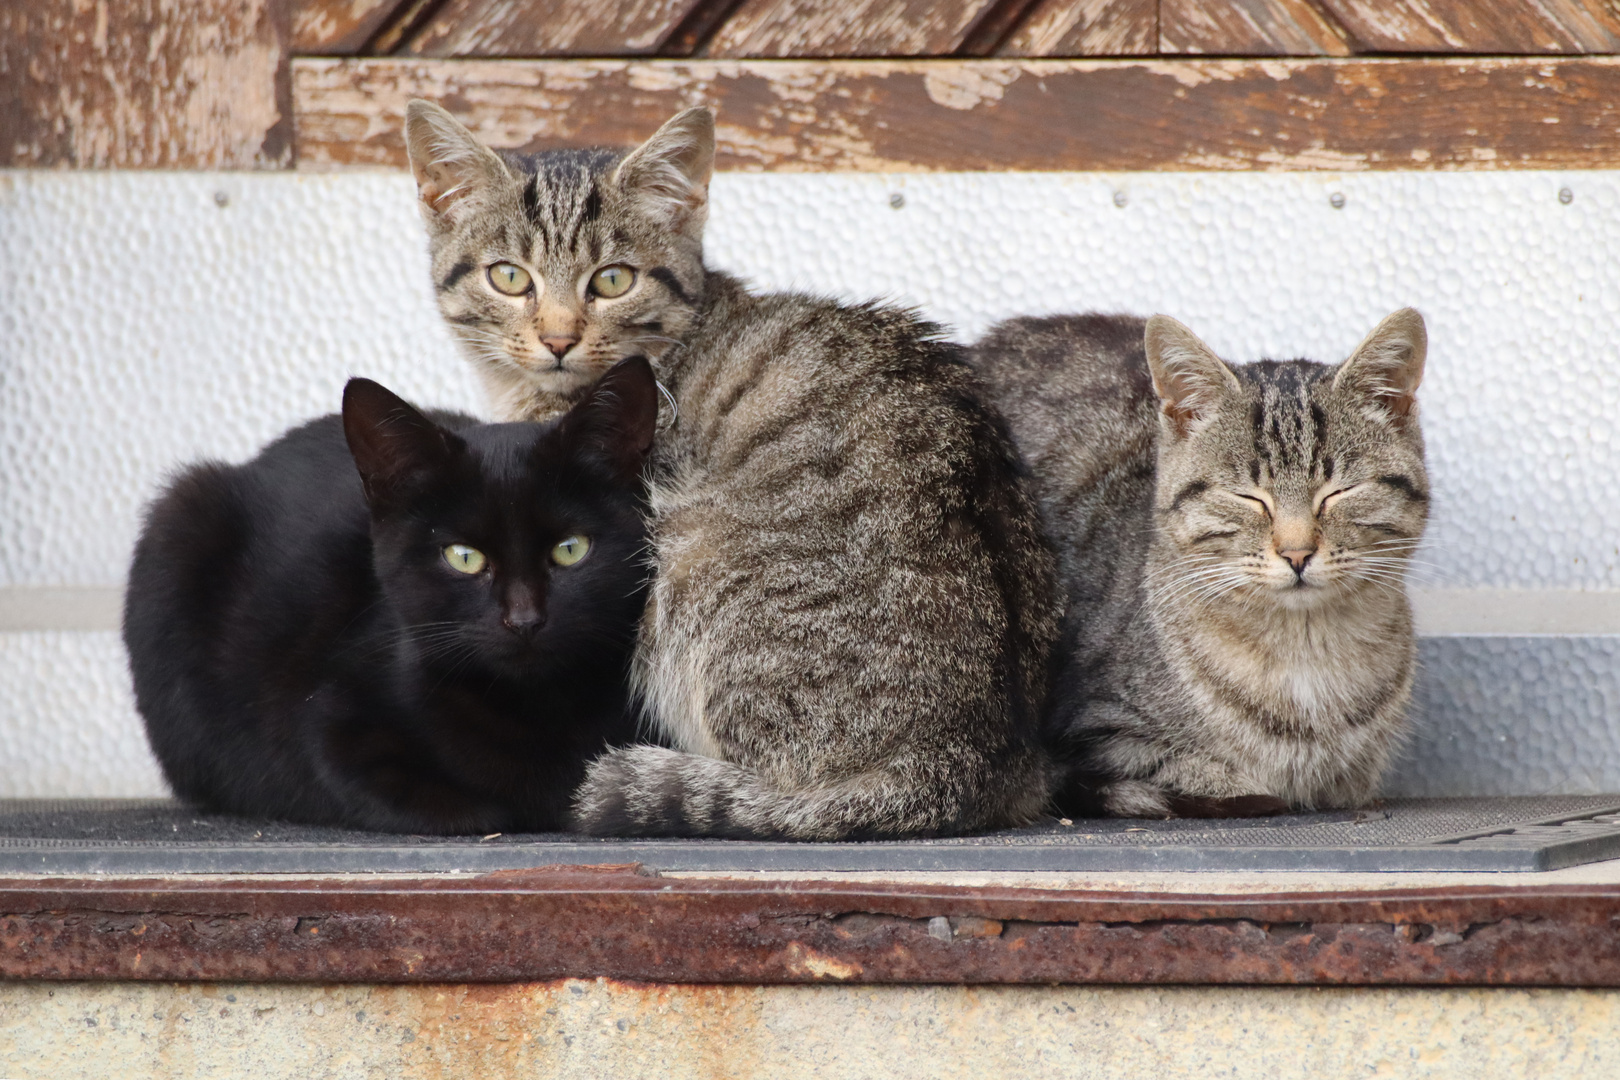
(651, 791)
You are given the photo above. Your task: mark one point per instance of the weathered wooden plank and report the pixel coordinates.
(338, 27)
(494, 28)
(1248, 28)
(805, 28)
(1087, 28)
(1473, 26)
(990, 115)
(145, 84)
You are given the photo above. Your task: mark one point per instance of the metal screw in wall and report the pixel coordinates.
(1566, 196)
(221, 199)
(896, 201)
(1120, 199)
(1336, 200)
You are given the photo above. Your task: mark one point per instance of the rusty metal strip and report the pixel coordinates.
(620, 923)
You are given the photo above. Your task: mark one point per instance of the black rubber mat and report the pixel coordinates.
(161, 837)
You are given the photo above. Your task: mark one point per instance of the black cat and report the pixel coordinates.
(437, 642)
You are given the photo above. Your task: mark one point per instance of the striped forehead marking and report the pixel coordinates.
(1290, 429)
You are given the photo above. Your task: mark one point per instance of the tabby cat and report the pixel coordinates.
(853, 607)
(1233, 542)
(388, 621)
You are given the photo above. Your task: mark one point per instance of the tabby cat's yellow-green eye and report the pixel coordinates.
(611, 281)
(469, 560)
(509, 278)
(570, 551)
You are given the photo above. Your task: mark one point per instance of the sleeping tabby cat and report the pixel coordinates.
(391, 621)
(853, 608)
(1232, 544)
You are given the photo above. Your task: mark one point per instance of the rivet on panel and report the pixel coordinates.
(1566, 196)
(1120, 199)
(896, 201)
(222, 199)
(1336, 200)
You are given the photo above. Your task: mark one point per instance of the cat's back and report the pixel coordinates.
(1078, 398)
(1076, 391)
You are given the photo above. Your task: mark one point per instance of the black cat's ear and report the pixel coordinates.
(1187, 375)
(1387, 367)
(668, 175)
(616, 419)
(454, 171)
(393, 444)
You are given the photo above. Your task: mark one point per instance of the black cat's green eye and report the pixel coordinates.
(612, 281)
(570, 551)
(509, 278)
(468, 560)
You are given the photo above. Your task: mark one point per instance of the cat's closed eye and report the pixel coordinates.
(468, 560)
(570, 551)
(612, 281)
(509, 278)
(1333, 496)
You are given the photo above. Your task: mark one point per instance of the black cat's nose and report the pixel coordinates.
(1297, 558)
(523, 621)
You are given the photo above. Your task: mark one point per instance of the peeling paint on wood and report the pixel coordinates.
(804, 28)
(1086, 28)
(619, 923)
(145, 84)
(1471, 26)
(338, 27)
(497, 28)
(1249, 28)
(942, 116)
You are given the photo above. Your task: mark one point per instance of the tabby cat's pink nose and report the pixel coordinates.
(1297, 558)
(560, 344)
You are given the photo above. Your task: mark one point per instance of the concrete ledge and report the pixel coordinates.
(591, 1029)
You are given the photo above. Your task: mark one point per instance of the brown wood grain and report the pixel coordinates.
(968, 115)
(805, 28)
(1086, 28)
(1249, 28)
(1479, 26)
(493, 28)
(145, 84)
(338, 27)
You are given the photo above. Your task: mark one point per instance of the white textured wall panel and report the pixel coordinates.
(1514, 716)
(145, 322)
(68, 724)
(142, 324)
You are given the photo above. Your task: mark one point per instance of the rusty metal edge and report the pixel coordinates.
(620, 923)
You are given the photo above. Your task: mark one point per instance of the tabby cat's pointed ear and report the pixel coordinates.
(1387, 367)
(668, 175)
(1187, 375)
(616, 419)
(453, 169)
(393, 444)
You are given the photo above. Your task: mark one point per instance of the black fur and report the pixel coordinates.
(302, 649)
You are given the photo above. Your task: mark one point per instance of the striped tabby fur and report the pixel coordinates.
(1232, 545)
(853, 607)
